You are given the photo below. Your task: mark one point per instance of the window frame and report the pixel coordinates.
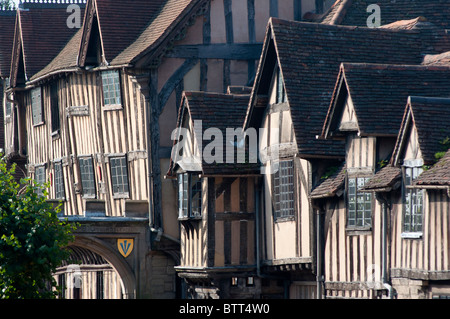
(284, 207)
(188, 206)
(82, 160)
(409, 229)
(58, 181)
(37, 110)
(54, 108)
(37, 177)
(358, 216)
(117, 92)
(124, 177)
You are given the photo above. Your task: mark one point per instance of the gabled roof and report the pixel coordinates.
(438, 175)
(386, 179)
(215, 110)
(331, 186)
(351, 12)
(119, 24)
(7, 20)
(431, 117)
(378, 93)
(41, 33)
(310, 54)
(130, 28)
(171, 16)
(127, 30)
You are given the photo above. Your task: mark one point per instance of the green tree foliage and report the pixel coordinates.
(32, 239)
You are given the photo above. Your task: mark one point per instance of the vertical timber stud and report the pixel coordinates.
(155, 182)
(251, 39)
(227, 4)
(297, 10)
(211, 209)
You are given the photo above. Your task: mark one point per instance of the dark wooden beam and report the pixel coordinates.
(274, 8)
(155, 111)
(227, 5)
(229, 51)
(173, 81)
(297, 10)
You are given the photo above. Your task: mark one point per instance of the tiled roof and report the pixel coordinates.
(384, 180)
(66, 59)
(121, 22)
(431, 117)
(221, 111)
(310, 55)
(330, 186)
(128, 29)
(7, 22)
(352, 12)
(159, 23)
(44, 33)
(438, 175)
(379, 93)
(437, 59)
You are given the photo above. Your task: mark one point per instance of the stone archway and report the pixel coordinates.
(113, 257)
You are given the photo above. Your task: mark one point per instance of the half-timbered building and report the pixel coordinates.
(293, 88)
(415, 186)
(355, 255)
(7, 110)
(216, 197)
(96, 103)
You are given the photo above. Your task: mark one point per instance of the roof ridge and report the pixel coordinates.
(427, 99)
(213, 94)
(387, 66)
(316, 25)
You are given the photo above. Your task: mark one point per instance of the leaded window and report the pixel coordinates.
(283, 190)
(119, 175)
(59, 181)
(36, 106)
(87, 176)
(412, 202)
(39, 177)
(111, 87)
(359, 209)
(189, 195)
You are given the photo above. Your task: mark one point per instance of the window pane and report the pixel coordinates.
(54, 106)
(36, 105)
(87, 176)
(413, 202)
(283, 190)
(39, 177)
(196, 196)
(59, 181)
(119, 175)
(359, 204)
(111, 87)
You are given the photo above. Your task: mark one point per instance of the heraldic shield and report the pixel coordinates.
(125, 246)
